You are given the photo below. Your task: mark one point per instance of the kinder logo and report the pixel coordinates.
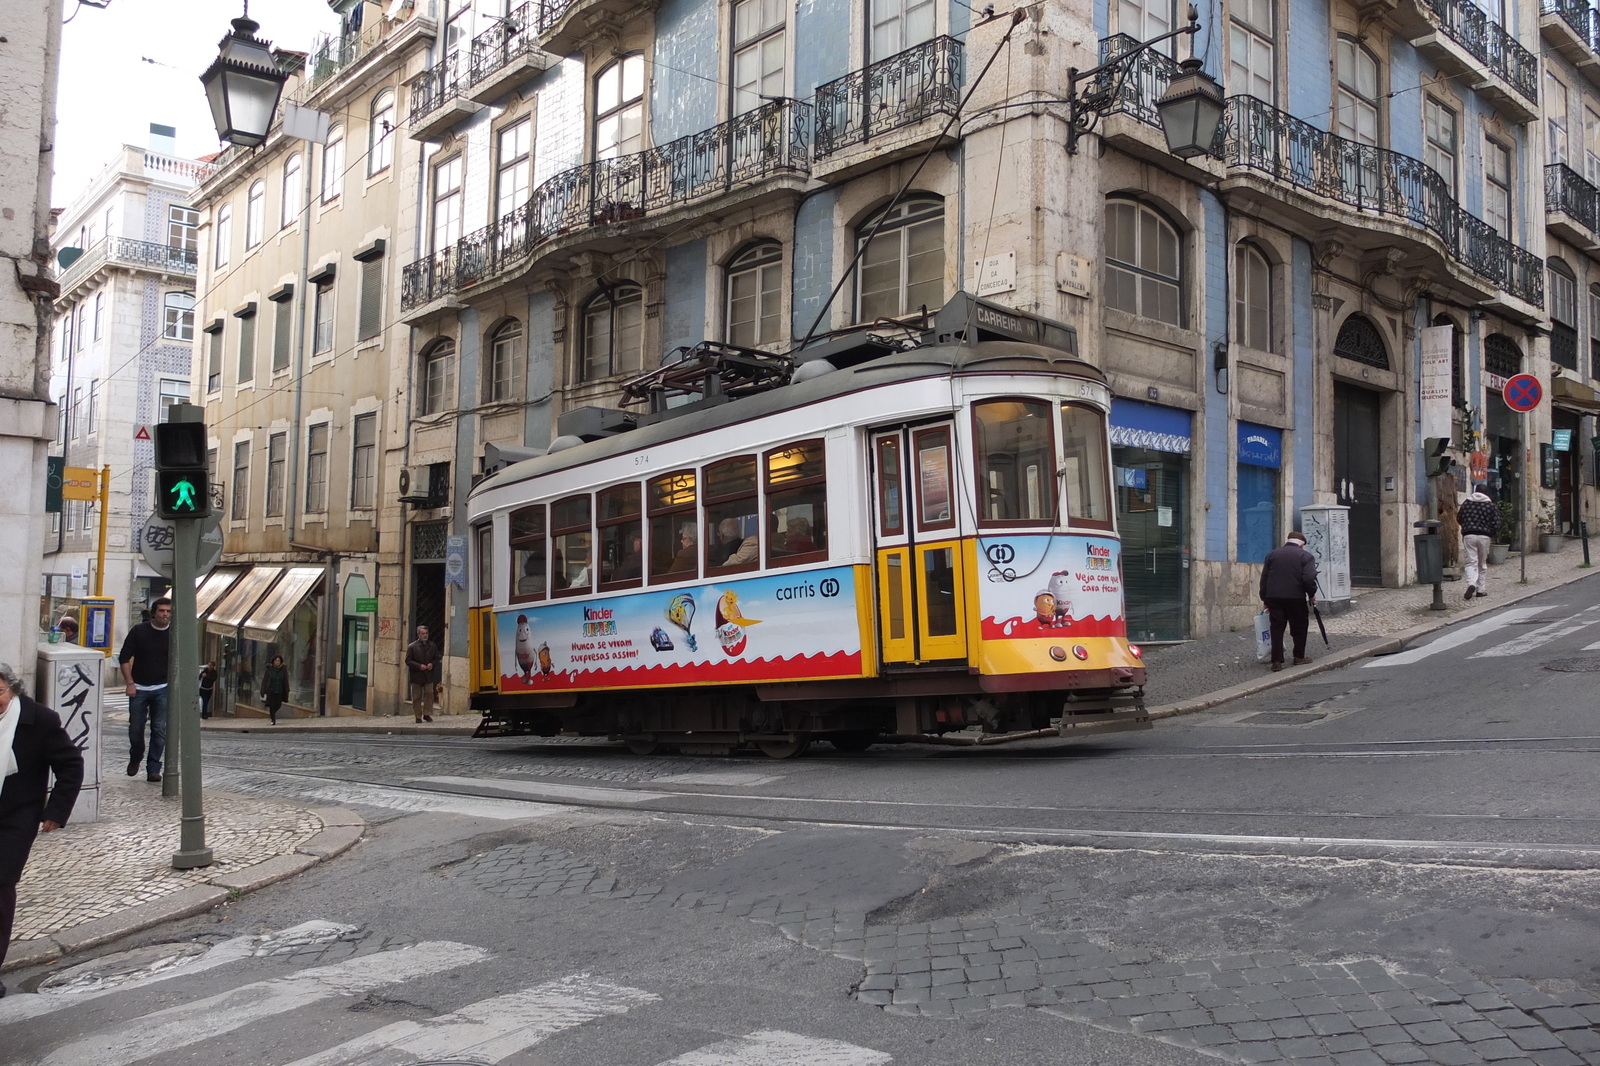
(1098, 558)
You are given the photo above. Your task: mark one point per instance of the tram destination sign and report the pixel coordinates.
(995, 322)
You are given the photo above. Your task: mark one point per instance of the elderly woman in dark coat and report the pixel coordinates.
(33, 744)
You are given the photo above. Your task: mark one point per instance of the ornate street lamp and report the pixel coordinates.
(1190, 112)
(243, 85)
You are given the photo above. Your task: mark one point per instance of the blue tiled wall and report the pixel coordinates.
(1309, 41)
(683, 91)
(538, 418)
(813, 260)
(684, 316)
(1304, 386)
(1214, 328)
(822, 43)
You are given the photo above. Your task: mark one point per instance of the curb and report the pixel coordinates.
(356, 724)
(340, 830)
(1377, 646)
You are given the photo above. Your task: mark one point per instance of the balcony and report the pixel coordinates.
(436, 100)
(123, 252)
(1572, 207)
(1458, 36)
(739, 158)
(333, 55)
(894, 93)
(506, 54)
(1569, 26)
(563, 26)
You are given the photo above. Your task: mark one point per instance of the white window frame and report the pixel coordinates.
(380, 141)
(896, 243)
(322, 317)
(255, 213)
(447, 203)
(290, 212)
(437, 378)
(1497, 187)
(333, 164)
(277, 469)
(753, 296)
(759, 66)
(363, 461)
(613, 332)
(178, 317)
(618, 127)
(239, 496)
(513, 181)
(1441, 140)
(222, 233)
(1253, 49)
(183, 228)
(1252, 306)
(1150, 280)
(317, 468)
(507, 363)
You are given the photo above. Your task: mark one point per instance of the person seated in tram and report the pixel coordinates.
(632, 564)
(686, 559)
(732, 549)
(531, 583)
(797, 541)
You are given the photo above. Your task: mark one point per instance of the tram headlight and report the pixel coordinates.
(1133, 649)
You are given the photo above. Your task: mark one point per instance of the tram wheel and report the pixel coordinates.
(645, 746)
(854, 741)
(785, 749)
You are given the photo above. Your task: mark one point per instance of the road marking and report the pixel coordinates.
(774, 1047)
(1455, 638)
(1540, 637)
(729, 778)
(491, 1029)
(571, 793)
(204, 1019)
(387, 797)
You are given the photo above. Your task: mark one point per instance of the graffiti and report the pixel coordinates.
(76, 686)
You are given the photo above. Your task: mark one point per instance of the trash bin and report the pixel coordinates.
(1430, 553)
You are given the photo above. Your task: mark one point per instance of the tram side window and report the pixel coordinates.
(1015, 451)
(1083, 431)
(797, 504)
(529, 571)
(674, 555)
(483, 535)
(621, 537)
(571, 541)
(733, 516)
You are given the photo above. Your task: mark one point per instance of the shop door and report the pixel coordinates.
(353, 664)
(1151, 515)
(920, 611)
(1356, 443)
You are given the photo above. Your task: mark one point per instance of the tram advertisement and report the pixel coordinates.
(1043, 591)
(802, 625)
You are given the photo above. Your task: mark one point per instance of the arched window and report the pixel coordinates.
(291, 191)
(1501, 356)
(1360, 341)
(613, 332)
(333, 163)
(222, 233)
(255, 214)
(755, 295)
(380, 133)
(438, 378)
(507, 358)
(179, 317)
(619, 108)
(902, 267)
(1563, 314)
(1252, 300)
(1143, 272)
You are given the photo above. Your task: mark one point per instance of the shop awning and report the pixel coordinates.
(236, 606)
(1574, 396)
(1135, 424)
(213, 586)
(274, 609)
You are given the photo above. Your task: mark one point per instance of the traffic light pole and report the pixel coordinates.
(183, 706)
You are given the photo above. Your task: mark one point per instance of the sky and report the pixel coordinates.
(110, 94)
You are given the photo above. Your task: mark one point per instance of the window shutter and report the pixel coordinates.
(247, 348)
(282, 334)
(371, 319)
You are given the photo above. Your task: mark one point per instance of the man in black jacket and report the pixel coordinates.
(144, 671)
(33, 744)
(1479, 519)
(1288, 588)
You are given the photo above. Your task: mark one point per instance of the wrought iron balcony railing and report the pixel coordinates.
(1566, 191)
(508, 38)
(329, 56)
(1574, 13)
(435, 87)
(1376, 180)
(1465, 23)
(759, 144)
(1135, 86)
(122, 251)
(893, 92)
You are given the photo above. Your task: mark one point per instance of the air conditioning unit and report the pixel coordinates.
(425, 486)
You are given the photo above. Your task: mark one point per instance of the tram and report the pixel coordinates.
(901, 534)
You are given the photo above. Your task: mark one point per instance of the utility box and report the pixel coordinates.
(1430, 553)
(69, 682)
(1327, 530)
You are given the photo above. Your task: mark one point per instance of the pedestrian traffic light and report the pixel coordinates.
(1436, 454)
(183, 482)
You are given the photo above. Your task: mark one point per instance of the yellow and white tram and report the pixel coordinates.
(903, 539)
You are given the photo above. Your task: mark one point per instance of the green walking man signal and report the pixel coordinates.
(183, 482)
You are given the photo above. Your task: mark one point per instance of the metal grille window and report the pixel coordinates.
(255, 214)
(514, 176)
(619, 108)
(438, 378)
(755, 296)
(182, 229)
(1563, 315)
(1497, 187)
(322, 316)
(447, 204)
(178, 323)
(1252, 303)
(1356, 103)
(758, 52)
(1439, 136)
(277, 457)
(1142, 271)
(363, 461)
(380, 139)
(902, 265)
(247, 349)
(1359, 340)
(222, 232)
(370, 318)
(214, 361)
(333, 164)
(1252, 49)
(1555, 117)
(613, 332)
(901, 24)
(239, 507)
(317, 469)
(282, 334)
(428, 541)
(507, 357)
(291, 191)
(1501, 356)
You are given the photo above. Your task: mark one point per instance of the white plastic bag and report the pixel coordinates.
(1263, 636)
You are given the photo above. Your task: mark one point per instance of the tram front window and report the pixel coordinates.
(1084, 465)
(1015, 455)
(528, 561)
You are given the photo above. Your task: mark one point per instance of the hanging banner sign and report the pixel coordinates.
(1437, 348)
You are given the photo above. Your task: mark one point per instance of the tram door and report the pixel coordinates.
(920, 610)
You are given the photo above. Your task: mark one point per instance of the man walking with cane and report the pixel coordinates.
(1288, 589)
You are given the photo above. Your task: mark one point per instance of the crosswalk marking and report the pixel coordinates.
(1456, 638)
(489, 1030)
(191, 1023)
(774, 1047)
(547, 789)
(1541, 636)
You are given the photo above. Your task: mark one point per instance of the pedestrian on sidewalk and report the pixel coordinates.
(33, 745)
(422, 662)
(1288, 589)
(208, 687)
(144, 670)
(274, 686)
(1480, 520)
(68, 627)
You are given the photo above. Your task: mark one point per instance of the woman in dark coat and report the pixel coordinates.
(33, 744)
(275, 687)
